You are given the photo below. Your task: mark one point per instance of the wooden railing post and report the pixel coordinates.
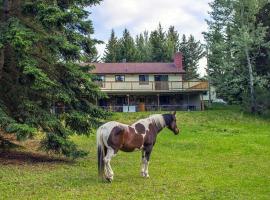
(158, 103)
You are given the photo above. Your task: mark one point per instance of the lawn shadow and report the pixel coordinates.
(21, 158)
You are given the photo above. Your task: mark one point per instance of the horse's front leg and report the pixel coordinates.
(145, 161)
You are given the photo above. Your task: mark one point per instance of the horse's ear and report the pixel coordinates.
(174, 113)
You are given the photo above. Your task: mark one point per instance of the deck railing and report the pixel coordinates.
(153, 86)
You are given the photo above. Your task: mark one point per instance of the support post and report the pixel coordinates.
(188, 102)
(158, 103)
(128, 99)
(202, 102)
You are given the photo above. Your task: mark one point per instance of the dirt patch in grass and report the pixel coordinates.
(13, 152)
(22, 158)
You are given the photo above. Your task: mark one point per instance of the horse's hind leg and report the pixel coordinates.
(108, 169)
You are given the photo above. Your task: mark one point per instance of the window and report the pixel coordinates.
(100, 79)
(119, 78)
(144, 79)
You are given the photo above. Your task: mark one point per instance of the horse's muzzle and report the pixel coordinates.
(176, 132)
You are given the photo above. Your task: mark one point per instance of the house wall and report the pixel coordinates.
(135, 77)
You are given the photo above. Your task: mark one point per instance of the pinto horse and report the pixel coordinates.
(114, 136)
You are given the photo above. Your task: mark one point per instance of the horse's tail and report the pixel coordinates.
(101, 151)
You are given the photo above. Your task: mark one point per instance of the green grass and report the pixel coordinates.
(220, 154)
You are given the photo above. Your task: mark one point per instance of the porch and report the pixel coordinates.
(155, 102)
(152, 86)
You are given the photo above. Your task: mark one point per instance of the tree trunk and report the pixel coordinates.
(251, 83)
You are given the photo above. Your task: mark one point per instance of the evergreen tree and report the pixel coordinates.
(192, 51)
(41, 44)
(143, 47)
(221, 68)
(111, 54)
(172, 43)
(158, 45)
(262, 61)
(127, 49)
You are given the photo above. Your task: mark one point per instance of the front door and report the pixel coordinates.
(161, 82)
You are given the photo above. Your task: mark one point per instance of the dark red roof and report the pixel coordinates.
(136, 68)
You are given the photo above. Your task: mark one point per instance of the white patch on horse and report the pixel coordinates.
(107, 129)
(159, 120)
(145, 123)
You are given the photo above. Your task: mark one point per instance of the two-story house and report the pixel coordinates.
(148, 86)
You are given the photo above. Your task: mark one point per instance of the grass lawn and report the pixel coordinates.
(220, 154)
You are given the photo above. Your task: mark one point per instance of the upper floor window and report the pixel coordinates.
(144, 79)
(100, 78)
(119, 78)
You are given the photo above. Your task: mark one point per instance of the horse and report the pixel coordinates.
(141, 135)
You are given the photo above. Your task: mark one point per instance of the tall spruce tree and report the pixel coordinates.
(127, 49)
(41, 44)
(111, 54)
(192, 51)
(172, 43)
(225, 76)
(143, 48)
(262, 61)
(158, 45)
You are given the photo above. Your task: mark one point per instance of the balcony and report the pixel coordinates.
(153, 86)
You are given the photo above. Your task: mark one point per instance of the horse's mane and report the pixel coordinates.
(158, 120)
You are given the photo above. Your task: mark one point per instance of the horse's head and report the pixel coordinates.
(170, 120)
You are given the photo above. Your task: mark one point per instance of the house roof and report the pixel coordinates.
(135, 68)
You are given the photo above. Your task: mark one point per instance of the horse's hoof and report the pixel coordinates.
(143, 174)
(146, 176)
(109, 179)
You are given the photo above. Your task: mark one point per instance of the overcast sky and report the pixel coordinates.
(188, 17)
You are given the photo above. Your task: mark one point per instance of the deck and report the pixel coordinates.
(153, 86)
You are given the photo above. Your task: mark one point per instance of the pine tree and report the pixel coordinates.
(111, 54)
(127, 49)
(193, 51)
(158, 45)
(172, 43)
(143, 47)
(41, 44)
(221, 62)
(262, 61)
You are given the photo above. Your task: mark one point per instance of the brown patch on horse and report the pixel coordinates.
(132, 140)
(116, 138)
(140, 128)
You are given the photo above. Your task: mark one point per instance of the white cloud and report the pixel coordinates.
(188, 17)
